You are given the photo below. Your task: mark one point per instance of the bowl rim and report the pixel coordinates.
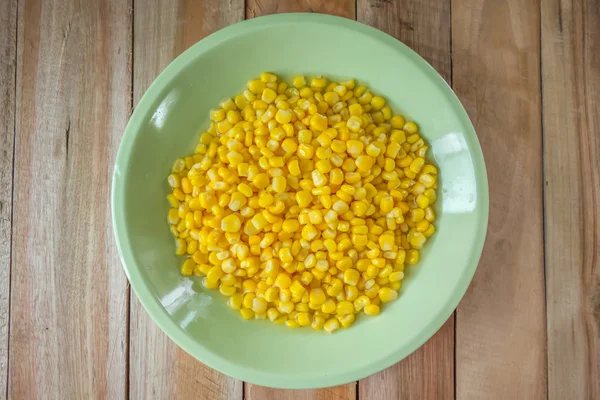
(152, 304)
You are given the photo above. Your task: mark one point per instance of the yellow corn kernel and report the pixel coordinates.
(245, 189)
(214, 274)
(303, 198)
(386, 242)
(180, 247)
(371, 309)
(416, 239)
(283, 281)
(227, 290)
(331, 325)
(188, 267)
(292, 324)
(422, 201)
(318, 122)
(317, 296)
(318, 322)
(396, 276)
(231, 223)
(417, 214)
(355, 147)
(386, 204)
(377, 102)
(410, 127)
(267, 77)
(261, 181)
(387, 294)
(256, 86)
(328, 307)
(397, 122)
(347, 320)
(247, 313)
(299, 82)
(303, 319)
(412, 256)
(351, 293)
(279, 184)
(361, 302)
(285, 307)
(259, 305)
(336, 176)
(305, 151)
(235, 301)
(417, 164)
(354, 123)
(429, 231)
(174, 180)
(364, 163)
(173, 216)
(318, 83)
(272, 314)
(344, 308)
(248, 300)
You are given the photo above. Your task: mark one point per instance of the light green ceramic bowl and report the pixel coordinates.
(166, 124)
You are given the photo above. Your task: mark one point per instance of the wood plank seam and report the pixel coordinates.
(544, 205)
(451, 83)
(9, 205)
(129, 290)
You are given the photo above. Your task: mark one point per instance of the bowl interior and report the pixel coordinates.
(166, 124)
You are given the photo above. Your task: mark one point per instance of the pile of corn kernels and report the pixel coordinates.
(303, 203)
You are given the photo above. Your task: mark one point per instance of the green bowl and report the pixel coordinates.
(166, 124)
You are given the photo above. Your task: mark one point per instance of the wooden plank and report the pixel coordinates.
(571, 83)
(428, 373)
(423, 25)
(8, 57)
(68, 322)
(344, 392)
(500, 324)
(342, 8)
(159, 369)
(347, 9)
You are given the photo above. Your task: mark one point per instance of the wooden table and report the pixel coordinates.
(528, 73)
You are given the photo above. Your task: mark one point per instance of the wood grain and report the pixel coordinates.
(8, 57)
(68, 321)
(500, 324)
(423, 25)
(571, 83)
(344, 8)
(428, 373)
(344, 392)
(158, 368)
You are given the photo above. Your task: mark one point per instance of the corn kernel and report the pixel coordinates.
(371, 309)
(387, 294)
(331, 325)
(231, 223)
(345, 308)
